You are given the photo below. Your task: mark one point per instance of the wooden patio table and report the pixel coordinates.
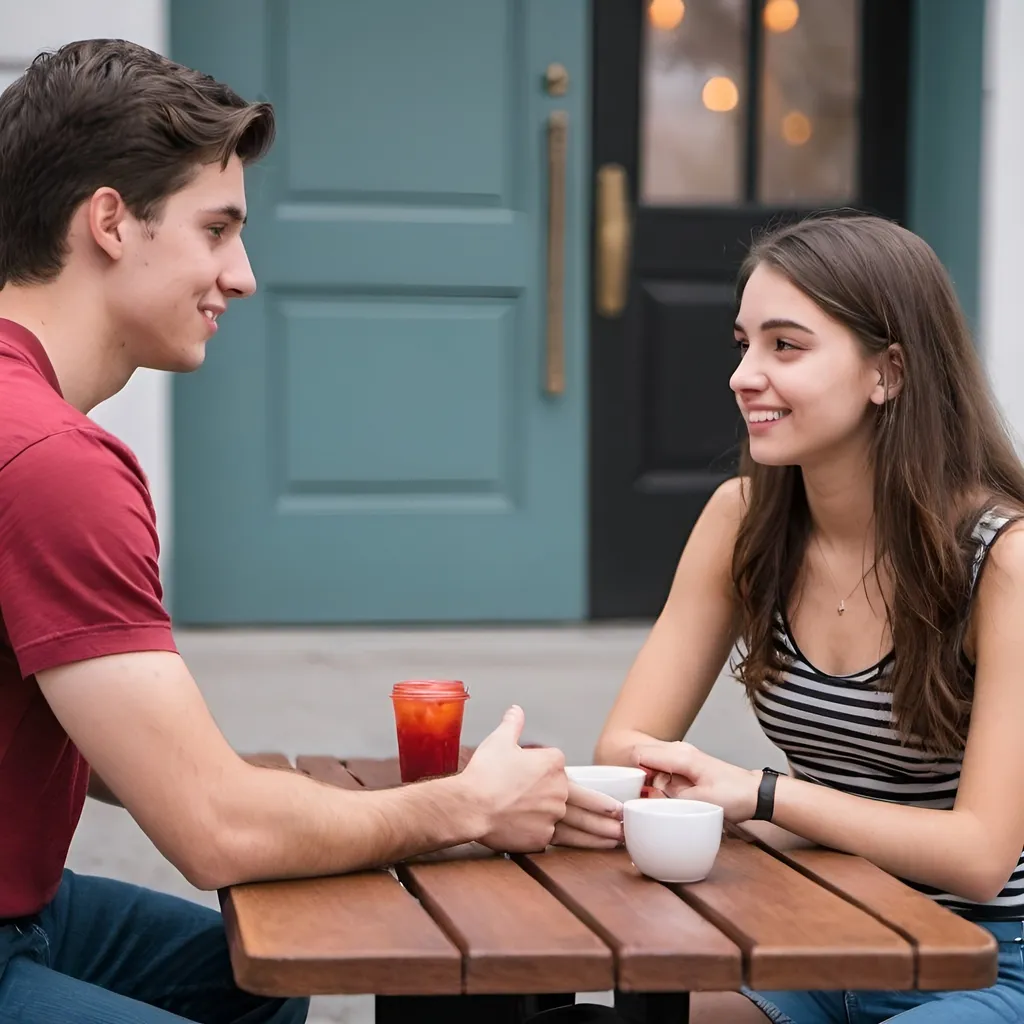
(468, 935)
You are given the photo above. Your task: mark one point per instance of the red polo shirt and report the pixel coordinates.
(78, 580)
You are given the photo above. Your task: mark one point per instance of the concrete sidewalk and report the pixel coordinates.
(326, 691)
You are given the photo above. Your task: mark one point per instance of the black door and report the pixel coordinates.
(712, 118)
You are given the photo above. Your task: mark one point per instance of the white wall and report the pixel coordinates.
(1002, 216)
(140, 414)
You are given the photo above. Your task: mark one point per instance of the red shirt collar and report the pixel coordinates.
(30, 348)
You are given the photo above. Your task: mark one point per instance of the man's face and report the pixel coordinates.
(178, 274)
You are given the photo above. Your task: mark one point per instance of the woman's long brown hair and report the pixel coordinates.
(941, 454)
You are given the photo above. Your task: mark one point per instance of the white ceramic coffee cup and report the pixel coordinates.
(673, 840)
(617, 781)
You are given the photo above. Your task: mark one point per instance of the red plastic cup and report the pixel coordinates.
(428, 720)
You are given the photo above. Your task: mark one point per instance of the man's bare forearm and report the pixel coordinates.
(278, 824)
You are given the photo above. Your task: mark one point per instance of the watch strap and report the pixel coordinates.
(766, 795)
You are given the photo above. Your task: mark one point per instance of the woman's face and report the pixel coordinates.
(805, 385)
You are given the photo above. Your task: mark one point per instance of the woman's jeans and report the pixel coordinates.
(1001, 1004)
(106, 952)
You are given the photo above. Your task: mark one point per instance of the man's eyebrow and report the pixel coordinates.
(229, 211)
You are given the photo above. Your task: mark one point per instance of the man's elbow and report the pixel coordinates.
(205, 868)
(212, 868)
(213, 856)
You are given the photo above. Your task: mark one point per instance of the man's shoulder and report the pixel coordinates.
(38, 427)
(75, 465)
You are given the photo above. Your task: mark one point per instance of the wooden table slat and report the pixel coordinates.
(794, 933)
(951, 952)
(327, 769)
(353, 934)
(268, 760)
(661, 944)
(375, 773)
(515, 935)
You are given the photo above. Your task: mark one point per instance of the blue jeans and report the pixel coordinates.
(1003, 1003)
(105, 952)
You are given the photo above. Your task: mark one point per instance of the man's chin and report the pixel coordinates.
(185, 360)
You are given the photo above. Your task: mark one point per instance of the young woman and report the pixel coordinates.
(868, 566)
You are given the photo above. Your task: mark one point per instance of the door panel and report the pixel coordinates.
(370, 438)
(710, 107)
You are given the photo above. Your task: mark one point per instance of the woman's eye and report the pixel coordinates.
(741, 343)
(782, 345)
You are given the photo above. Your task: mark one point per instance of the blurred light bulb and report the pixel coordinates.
(666, 14)
(720, 94)
(796, 128)
(781, 15)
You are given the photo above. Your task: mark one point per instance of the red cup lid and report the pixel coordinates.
(430, 688)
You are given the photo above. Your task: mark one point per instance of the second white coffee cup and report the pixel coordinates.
(617, 781)
(673, 840)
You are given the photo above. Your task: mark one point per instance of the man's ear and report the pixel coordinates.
(106, 214)
(890, 375)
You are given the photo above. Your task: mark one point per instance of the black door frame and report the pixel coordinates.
(617, 32)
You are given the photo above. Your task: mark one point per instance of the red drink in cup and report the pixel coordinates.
(428, 719)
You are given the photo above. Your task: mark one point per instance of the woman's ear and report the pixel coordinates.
(890, 375)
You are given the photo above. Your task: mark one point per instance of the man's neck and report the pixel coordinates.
(76, 336)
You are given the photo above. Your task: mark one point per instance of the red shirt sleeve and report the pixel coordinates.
(79, 575)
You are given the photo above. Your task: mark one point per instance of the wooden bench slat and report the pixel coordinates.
(794, 933)
(352, 934)
(951, 952)
(327, 769)
(515, 936)
(661, 944)
(375, 773)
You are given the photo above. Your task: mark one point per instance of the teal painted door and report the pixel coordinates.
(371, 438)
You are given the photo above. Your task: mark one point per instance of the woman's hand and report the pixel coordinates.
(592, 820)
(683, 771)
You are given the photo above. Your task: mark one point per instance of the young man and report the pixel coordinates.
(121, 209)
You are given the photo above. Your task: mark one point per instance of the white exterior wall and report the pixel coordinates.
(140, 415)
(1002, 216)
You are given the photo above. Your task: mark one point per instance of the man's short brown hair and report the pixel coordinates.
(105, 112)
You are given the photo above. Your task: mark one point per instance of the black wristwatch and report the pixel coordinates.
(766, 795)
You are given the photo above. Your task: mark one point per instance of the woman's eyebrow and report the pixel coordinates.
(776, 324)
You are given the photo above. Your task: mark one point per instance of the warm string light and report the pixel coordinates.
(720, 94)
(781, 15)
(796, 128)
(666, 14)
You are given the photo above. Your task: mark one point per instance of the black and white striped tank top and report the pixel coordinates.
(839, 731)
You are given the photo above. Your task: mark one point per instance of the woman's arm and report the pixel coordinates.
(688, 645)
(969, 851)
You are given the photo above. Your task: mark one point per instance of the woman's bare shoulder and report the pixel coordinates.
(730, 500)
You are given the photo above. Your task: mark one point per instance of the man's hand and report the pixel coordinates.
(522, 791)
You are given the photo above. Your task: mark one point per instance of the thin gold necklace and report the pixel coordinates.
(841, 607)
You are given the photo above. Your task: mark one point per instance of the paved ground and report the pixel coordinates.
(326, 691)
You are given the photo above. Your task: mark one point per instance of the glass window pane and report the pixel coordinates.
(810, 90)
(693, 101)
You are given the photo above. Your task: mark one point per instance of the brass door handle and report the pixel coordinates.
(613, 235)
(554, 363)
